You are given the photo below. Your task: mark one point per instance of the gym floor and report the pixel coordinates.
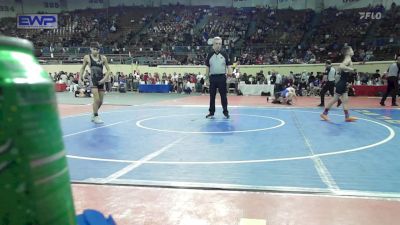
(156, 160)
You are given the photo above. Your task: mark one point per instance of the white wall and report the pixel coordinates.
(281, 4)
(84, 4)
(173, 2)
(227, 3)
(39, 6)
(251, 3)
(9, 4)
(388, 3)
(296, 4)
(29, 6)
(312, 4)
(120, 2)
(154, 3)
(33, 6)
(348, 4)
(136, 2)
(212, 3)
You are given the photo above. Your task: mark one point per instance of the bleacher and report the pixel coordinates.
(178, 34)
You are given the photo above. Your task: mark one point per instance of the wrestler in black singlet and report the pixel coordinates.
(341, 85)
(96, 72)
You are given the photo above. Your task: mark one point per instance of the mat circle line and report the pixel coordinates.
(387, 139)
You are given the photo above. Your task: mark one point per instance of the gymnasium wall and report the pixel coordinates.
(83, 4)
(283, 69)
(48, 6)
(353, 4)
(8, 8)
(297, 4)
(57, 6)
(154, 3)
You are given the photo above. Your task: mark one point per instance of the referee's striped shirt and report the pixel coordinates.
(331, 74)
(393, 70)
(218, 62)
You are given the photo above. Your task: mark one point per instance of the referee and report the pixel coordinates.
(218, 65)
(393, 82)
(330, 82)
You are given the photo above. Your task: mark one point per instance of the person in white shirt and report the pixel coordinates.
(64, 78)
(303, 82)
(199, 76)
(268, 78)
(278, 82)
(187, 87)
(236, 73)
(393, 82)
(137, 76)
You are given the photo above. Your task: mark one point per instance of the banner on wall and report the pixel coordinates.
(37, 21)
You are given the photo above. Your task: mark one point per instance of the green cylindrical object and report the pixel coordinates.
(34, 180)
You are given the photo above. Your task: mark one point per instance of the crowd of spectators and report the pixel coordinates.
(277, 31)
(180, 83)
(338, 27)
(173, 27)
(305, 83)
(178, 34)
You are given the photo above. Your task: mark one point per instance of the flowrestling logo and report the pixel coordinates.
(37, 21)
(370, 15)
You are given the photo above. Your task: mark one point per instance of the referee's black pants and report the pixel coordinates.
(218, 81)
(329, 86)
(392, 89)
